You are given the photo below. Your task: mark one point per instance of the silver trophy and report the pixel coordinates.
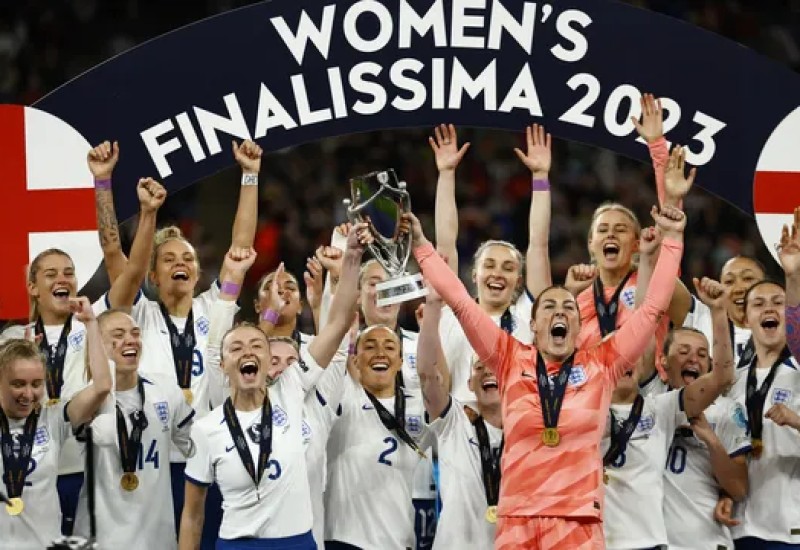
(379, 200)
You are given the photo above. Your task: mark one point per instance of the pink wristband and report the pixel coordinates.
(230, 288)
(271, 316)
(351, 349)
(102, 184)
(540, 185)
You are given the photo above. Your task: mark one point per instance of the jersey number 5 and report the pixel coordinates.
(392, 442)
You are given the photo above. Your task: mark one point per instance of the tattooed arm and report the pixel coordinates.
(102, 160)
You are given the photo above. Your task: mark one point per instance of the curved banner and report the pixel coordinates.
(285, 73)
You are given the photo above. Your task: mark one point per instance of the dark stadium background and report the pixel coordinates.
(44, 43)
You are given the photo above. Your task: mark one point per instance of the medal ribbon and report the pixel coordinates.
(130, 445)
(395, 423)
(54, 374)
(607, 312)
(621, 434)
(15, 467)
(490, 462)
(756, 397)
(264, 442)
(552, 394)
(182, 347)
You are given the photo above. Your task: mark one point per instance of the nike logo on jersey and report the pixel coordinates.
(472, 440)
(367, 407)
(229, 449)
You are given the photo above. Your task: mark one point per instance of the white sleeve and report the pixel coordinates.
(524, 306)
(221, 315)
(733, 430)
(307, 370)
(182, 420)
(199, 469)
(653, 387)
(340, 242)
(14, 332)
(212, 295)
(445, 425)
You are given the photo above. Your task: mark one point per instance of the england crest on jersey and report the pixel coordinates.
(279, 417)
(76, 340)
(781, 395)
(162, 412)
(41, 437)
(628, 297)
(414, 425)
(577, 376)
(646, 423)
(202, 325)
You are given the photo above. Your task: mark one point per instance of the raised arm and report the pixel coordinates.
(730, 472)
(699, 395)
(84, 404)
(430, 356)
(448, 156)
(789, 255)
(484, 336)
(629, 342)
(124, 289)
(538, 159)
(248, 155)
(651, 129)
(313, 278)
(102, 160)
(323, 347)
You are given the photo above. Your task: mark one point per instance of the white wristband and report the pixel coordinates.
(249, 179)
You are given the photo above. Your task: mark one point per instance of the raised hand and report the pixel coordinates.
(789, 246)
(81, 309)
(723, 512)
(315, 282)
(651, 126)
(580, 277)
(445, 147)
(702, 429)
(248, 155)
(359, 237)
(330, 258)
(676, 183)
(538, 157)
(670, 220)
(276, 301)
(411, 223)
(151, 194)
(239, 260)
(102, 160)
(343, 229)
(649, 241)
(711, 292)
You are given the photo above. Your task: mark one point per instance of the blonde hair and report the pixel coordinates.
(362, 271)
(33, 303)
(16, 349)
(285, 340)
(243, 324)
(615, 207)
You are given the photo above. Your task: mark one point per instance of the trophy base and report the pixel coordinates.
(400, 289)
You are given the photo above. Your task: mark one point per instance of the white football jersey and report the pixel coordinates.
(140, 519)
(699, 317)
(157, 362)
(39, 494)
(771, 510)
(71, 460)
(633, 516)
(462, 523)
(370, 474)
(280, 506)
(459, 352)
(690, 489)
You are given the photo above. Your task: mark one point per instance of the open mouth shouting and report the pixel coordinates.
(248, 368)
(770, 324)
(61, 294)
(690, 373)
(496, 286)
(611, 251)
(180, 275)
(489, 383)
(558, 332)
(130, 353)
(379, 366)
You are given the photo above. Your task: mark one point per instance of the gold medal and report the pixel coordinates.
(129, 481)
(16, 507)
(54, 401)
(550, 437)
(187, 395)
(491, 514)
(758, 448)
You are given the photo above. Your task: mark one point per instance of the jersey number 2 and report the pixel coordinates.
(392, 442)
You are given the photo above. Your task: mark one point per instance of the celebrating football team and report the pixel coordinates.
(618, 409)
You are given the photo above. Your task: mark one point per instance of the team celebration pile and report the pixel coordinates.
(617, 409)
